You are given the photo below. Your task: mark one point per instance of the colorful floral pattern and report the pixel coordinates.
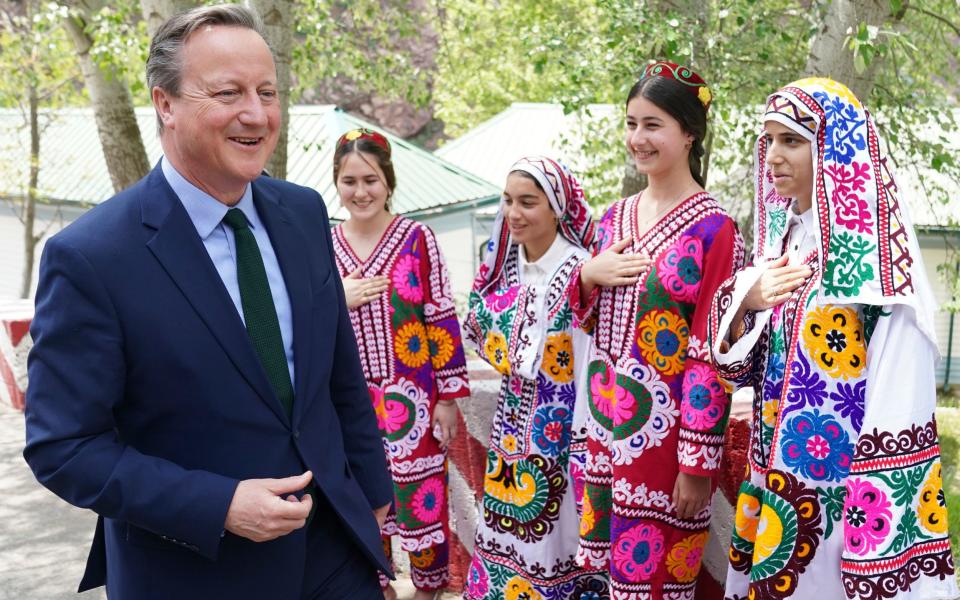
(440, 344)
(680, 268)
(834, 337)
(519, 588)
(477, 580)
(662, 338)
(684, 558)
(406, 279)
(816, 446)
(411, 344)
(933, 504)
(558, 357)
(706, 398)
(495, 349)
(410, 349)
(501, 299)
(638, 551)
(787, 535)
(522, 497)
(429, 500)
(551, 429)
(866, 516)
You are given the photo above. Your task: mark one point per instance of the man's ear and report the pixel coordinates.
(162, 102)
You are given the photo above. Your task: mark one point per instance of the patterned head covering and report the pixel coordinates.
(362, 133)
(568, 203)
(868, 252)
(694, 83)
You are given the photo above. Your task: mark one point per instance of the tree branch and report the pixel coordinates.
(934, 15)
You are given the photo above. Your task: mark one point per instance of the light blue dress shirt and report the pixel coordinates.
(207, 214)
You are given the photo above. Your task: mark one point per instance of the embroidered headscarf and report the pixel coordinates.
(566, 198)
(867, 247)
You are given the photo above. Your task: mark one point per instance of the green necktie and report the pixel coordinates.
(259, 313)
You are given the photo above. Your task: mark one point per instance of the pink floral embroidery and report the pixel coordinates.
(638, 551)
(428, 500)
(612, 400)
(852, 211)
(705, 397)
(866, 515)
(391, 415)
(406, 279)
(477, 585)
(680, 268)
(502, 299)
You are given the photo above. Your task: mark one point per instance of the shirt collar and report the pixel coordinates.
(550, 258)
(205, 211)
(805, 218)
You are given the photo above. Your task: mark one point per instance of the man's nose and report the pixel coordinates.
(253, 112)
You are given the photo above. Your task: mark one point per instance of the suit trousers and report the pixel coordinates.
(335, 566)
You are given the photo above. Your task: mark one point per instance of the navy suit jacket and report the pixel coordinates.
(147, 402)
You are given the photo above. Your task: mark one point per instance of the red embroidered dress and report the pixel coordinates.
(656, 405)
(410, 347)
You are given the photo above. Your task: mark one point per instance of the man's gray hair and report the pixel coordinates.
(164, 63)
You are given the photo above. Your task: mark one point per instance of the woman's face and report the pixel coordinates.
(361, 185)
(654, 138)
(527, 211)
(791, 163)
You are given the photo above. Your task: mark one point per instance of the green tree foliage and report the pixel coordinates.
(366, 42)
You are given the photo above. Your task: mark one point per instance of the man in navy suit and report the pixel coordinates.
(195, 379)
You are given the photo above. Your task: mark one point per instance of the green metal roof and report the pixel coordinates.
(72, 167)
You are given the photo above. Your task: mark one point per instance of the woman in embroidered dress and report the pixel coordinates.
(407, 332)
(832, 328)
(657, 409)
(520, 322)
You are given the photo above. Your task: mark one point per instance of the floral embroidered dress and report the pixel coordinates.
(410, 347)
(656, 404)
(520, 322)
(844, 495)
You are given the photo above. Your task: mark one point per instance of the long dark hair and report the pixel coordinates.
(676, 100)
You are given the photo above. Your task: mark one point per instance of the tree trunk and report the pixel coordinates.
(156, 12)
(277, 18)
(112, 106)
(829, 57)
(633, 181)
(30, 201)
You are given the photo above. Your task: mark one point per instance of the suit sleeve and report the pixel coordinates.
(351, 399)
(77, 371)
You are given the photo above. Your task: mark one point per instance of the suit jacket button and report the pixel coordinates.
(296, 434)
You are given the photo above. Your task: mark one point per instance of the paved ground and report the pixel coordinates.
(43, 540)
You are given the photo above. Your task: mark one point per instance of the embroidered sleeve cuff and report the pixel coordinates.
(735, 363)
(700, 453)
(582, 307)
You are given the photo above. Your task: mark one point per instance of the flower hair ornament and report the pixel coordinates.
(364, 134)
(695, 83)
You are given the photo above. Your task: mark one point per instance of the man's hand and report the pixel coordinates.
(380, 514)
(259, 511)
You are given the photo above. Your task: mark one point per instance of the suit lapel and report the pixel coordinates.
(178, 247)
(290, 246)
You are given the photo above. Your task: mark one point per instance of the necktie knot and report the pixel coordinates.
(236, 219)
